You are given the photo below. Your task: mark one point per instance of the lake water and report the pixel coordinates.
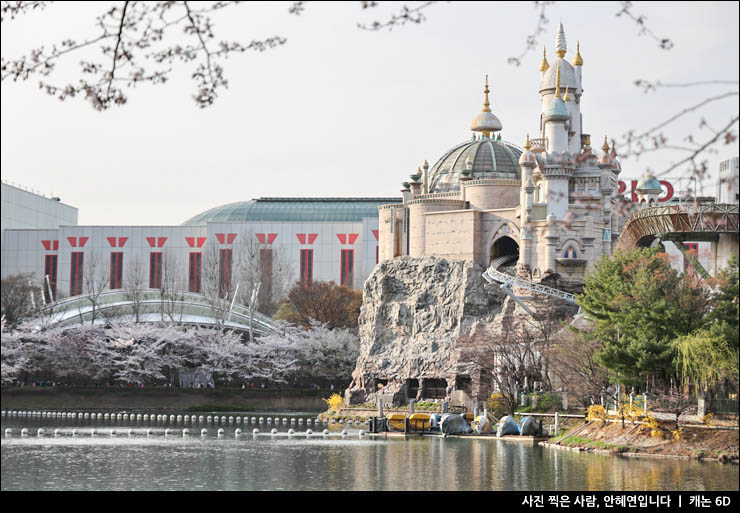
(317, 462)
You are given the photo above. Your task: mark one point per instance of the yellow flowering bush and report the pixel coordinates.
(334, 402)
(596, 412)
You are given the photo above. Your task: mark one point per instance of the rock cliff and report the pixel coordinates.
(413, 312)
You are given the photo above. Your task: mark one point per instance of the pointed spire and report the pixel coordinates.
(605, 147)
(544, 64)
(560, 46)
(527, 145)
(567, 95)
(557, 81)
(578, 60)
(613, 152)
(486, 105)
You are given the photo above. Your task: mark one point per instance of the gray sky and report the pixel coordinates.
(338, 111)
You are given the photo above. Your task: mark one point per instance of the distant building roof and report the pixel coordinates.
(294, 210)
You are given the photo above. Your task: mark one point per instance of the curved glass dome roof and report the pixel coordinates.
(489, 156)
(293, 210)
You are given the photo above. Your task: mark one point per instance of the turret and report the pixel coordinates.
(486, 122)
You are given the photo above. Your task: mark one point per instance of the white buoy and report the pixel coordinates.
(269, 420)
(100, 415)
(167, 431)
(308, 422)
(326, 421)
(209, 419)
(145, 417)
(112, 432)
(285, 421)
(255, 431)
(74, 432)
(172, 418)
(300, 421)
(185, 432)
(138, 417)
(94, 432)
(203, 432)
(231, 419)
(238, 420)
(309, 432)
(8, 432)
(106, 416)
(24, 432)
(292, 421)
(87, 415)
(220, 431)
(362, 432)
(273, 431)
(130, 432)
(40, 432)
(333, 421)
(223, 419)
(326, 432)
(262, 420)
(179, 418)
(237, 432)
(253, 420)
(201, 418)
(148, 432)
(344, 432)
(341, 421)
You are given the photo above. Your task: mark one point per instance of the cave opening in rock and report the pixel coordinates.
(412, 385)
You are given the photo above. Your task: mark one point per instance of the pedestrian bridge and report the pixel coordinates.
(178, 308)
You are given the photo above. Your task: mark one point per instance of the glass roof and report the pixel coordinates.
(349, 210)
(488, 156)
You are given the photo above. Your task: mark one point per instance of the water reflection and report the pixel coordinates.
(318, 462)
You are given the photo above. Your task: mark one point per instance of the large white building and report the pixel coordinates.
(235, 245)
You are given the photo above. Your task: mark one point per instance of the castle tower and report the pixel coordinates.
(570, 79)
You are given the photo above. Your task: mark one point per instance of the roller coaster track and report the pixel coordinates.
(678, 222)
(492, 274)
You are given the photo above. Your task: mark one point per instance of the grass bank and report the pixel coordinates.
(185, 399)
(692, 442)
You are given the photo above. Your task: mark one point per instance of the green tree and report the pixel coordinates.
(726, 303)
(640, 305)
(705, 357)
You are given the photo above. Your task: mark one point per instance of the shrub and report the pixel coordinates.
(334, 402)
(596, 412)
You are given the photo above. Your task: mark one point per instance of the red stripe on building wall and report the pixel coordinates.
(342, 237)
(375, 234)
(261, 238)
(72, 241)
(112, 242)
(301, 237)
(47, 244)
(83, 241)
(201, 240)
(190, 241)
(221, 238)
(55, 245)
(122, 241)
(230, 238)
(271, 237)
(312, 237)
(161, 241)
(353, 237)
(151, 241)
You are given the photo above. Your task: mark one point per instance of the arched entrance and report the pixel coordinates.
(503, 246)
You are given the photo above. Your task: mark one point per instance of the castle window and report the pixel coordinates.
(306, 266)
(347, 267)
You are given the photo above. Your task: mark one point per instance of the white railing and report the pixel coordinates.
(493, 274)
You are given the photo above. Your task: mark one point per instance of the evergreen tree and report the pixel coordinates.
(640, 305)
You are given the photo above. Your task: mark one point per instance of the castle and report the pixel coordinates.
(552, 205)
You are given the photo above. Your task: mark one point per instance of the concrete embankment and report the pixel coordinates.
(60, 398)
